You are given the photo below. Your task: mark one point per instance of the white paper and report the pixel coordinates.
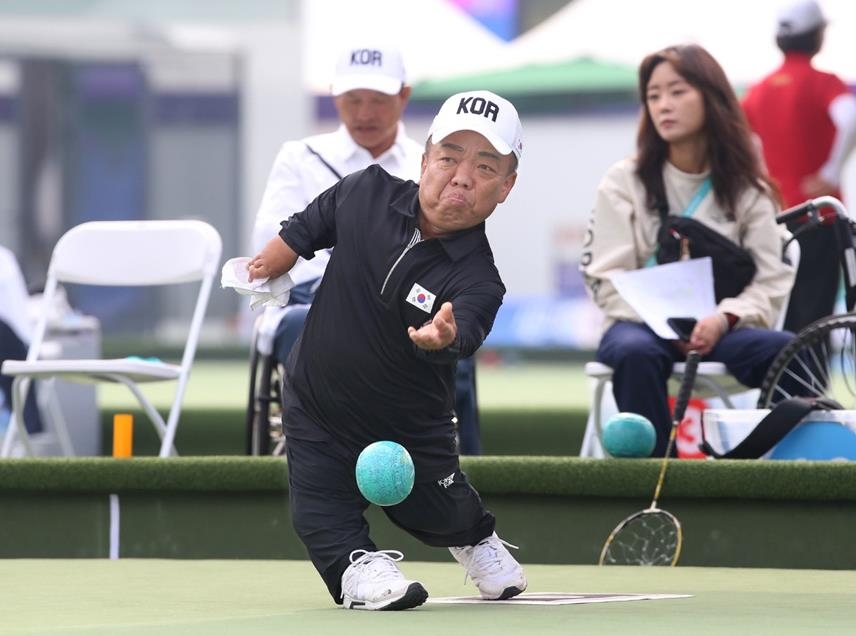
(679, 289)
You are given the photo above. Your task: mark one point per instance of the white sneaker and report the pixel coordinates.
(492, 568)
(374, 582)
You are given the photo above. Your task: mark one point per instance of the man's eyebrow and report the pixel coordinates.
(451, 146)
(484, 154)
(489, 155)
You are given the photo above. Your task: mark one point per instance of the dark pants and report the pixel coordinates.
(466, 407)
(288, 330)
(13, 348)
(327, 507)
(642, 363)
(291, 325)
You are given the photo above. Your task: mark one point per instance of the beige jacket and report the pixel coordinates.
(622, 235)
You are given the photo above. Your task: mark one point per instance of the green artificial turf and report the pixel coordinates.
(144, 597)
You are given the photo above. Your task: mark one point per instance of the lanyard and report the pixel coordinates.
(698, 197)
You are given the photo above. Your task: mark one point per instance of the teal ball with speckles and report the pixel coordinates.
(385, 473)
(629, 435)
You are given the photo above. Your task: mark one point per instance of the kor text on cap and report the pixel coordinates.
(366, 57)
(478, 106)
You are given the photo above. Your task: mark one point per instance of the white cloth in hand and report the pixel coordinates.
(263, 292)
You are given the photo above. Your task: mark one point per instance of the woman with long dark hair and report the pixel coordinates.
(694, 158)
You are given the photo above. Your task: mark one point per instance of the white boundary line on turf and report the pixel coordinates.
(557, 598)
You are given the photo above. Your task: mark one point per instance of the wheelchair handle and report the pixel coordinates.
(812, 209)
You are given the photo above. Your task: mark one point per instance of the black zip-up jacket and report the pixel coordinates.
(355, 371)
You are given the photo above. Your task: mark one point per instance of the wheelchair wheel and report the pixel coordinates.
(819, 362)
(251, 413)
(264, 433)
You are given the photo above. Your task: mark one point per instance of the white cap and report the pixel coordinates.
(800, 17)
(374, 68)
(485, 113)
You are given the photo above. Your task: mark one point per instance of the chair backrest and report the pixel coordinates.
(136, 252)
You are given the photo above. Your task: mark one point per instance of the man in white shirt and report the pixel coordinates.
(370, 94)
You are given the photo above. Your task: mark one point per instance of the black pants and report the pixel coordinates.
(466, 407)
(327, 508)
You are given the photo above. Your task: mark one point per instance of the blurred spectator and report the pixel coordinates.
(14, 337)
(805, 120)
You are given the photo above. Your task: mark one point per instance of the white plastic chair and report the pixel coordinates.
(120, 253)
(712, 380)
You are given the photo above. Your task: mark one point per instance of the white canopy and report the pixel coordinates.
(440, 41)
(739, 33)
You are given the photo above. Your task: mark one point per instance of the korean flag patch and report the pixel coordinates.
(420, 297)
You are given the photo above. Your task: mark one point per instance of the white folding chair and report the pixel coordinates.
(712, 379)
(120, 253)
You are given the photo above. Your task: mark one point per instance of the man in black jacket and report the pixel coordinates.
(411, 288)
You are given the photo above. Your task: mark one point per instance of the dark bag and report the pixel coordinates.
(733, 266)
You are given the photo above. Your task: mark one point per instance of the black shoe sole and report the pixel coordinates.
(413, 597)
(509, 592)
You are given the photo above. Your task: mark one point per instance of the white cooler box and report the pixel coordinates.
(820, 435)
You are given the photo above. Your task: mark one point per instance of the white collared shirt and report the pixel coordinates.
(298, 176)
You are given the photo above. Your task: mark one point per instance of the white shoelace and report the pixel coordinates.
(487, 560)
(380, 564)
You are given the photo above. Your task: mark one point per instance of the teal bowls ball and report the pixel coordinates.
(629, 435)
(385, 473)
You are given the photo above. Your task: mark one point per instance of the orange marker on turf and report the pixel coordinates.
(123, 435)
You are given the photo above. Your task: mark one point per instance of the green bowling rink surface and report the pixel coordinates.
(242, 597)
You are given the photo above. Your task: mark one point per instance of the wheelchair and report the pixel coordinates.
(821, 359)
(264, 432)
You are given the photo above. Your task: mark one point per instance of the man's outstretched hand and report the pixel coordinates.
(438, 333)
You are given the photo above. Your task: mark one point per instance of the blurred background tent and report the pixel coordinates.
(546, 86)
